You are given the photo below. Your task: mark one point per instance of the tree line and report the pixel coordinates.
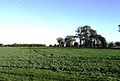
(22, 45)
(87, 37)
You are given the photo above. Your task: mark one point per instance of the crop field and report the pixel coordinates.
(59, 64)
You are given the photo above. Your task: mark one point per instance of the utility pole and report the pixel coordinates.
(119, 28)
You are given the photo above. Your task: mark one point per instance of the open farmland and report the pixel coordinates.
(59, 64)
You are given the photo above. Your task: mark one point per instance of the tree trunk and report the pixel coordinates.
(80, 42)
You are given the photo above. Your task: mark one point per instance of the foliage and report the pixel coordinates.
(69, 40)
(60, 40)
(1, 44)
(89, 37)
(76, 44)
(111, 44)
(50, 45)
(117, 44)
(25, 45)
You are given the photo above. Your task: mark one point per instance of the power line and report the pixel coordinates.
(22, 7)
(31, 8)
(28, 8)
(35, 10)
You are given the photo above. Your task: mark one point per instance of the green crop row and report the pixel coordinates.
(59, 64)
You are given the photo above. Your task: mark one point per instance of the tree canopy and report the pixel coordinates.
(87, 36)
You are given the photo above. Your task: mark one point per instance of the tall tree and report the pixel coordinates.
(83, 33)
(86, 35)
(111, 44)
(93, 37)
(69, 40)
(102, 41)
(79, 34)
(117, 43)
(60, 40)
(89, 37)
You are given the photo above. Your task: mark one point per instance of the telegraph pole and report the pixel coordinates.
(119, 28)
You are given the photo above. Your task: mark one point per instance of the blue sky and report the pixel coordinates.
(42, 21)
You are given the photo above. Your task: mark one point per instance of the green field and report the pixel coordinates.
(59, 64)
